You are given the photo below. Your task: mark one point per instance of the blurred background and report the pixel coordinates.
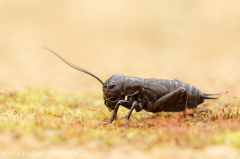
(197, 42)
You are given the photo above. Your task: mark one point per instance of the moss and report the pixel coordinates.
(61, 118)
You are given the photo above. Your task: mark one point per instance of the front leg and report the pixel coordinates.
(123, 103)
(112, 117)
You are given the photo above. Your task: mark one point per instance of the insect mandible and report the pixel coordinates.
(151, 94)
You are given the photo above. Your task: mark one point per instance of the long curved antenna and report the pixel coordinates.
(72, 65)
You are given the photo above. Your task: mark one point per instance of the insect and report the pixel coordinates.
(151, 94)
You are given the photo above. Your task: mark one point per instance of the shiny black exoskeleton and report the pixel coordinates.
(152, 95)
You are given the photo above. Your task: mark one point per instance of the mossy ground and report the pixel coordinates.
(76, 119)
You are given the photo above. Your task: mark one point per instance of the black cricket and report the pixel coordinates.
(151, 94)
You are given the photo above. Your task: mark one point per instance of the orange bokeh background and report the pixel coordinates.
(197, 42)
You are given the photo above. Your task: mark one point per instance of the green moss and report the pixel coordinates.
(61, 118)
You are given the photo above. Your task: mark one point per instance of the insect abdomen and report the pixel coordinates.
(194, 94)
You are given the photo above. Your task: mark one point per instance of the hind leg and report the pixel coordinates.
(201, 110)
(174, 101)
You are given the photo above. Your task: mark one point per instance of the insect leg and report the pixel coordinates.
(174, 101)
(112, 117)
(123, 103)
(139, 107)
(200, 111)
(134, 105)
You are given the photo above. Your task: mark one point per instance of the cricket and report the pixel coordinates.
(150, 94)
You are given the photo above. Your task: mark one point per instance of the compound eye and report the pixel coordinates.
(111, 86)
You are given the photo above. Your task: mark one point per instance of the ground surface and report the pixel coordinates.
(37, 119)
(194, 41)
